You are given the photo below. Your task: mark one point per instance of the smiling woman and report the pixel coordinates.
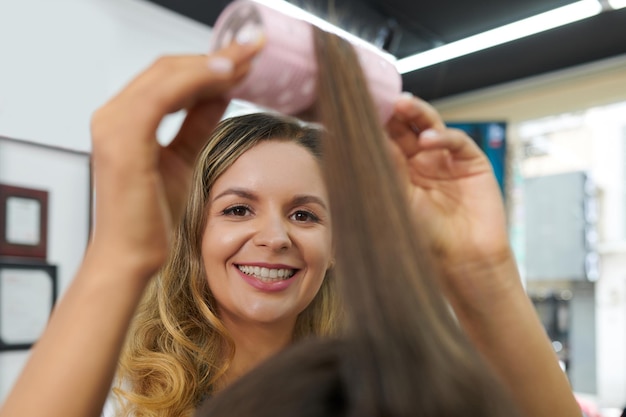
(267, 240)
(249, 272)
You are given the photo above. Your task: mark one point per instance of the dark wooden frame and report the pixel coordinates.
(51, 270)
(9, 249)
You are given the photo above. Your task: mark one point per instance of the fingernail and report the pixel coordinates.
(220, 65)
(407, 94)
(429, 134)
(249, 35)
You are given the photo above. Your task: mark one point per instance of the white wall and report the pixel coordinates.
(59, 61)
(611, 329)
(610, 173)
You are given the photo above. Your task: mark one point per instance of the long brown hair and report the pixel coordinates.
(402, 353)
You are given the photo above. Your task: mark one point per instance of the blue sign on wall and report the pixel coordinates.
(491, 137)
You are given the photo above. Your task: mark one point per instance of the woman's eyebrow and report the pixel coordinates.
(239, 192)
(307, 199)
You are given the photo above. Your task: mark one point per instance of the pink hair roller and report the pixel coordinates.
(283, 75)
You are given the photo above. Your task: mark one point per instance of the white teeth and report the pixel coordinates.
(267, 274)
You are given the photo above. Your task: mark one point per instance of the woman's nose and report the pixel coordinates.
(274, 234)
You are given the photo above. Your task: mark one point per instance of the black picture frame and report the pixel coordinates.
(28, 293)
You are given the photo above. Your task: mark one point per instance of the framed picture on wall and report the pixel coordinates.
(28, 293)
(23, 222)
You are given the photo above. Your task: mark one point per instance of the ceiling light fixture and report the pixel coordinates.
(295, 11)
(549, 20)
(617, 4)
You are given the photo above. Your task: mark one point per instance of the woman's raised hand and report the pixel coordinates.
(452, 191)
(141, 186)
(454, 195)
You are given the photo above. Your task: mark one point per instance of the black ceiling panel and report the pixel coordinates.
(406, 27)
(554, 50)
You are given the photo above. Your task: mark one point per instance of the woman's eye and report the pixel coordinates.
(304, 216)
(238, 211)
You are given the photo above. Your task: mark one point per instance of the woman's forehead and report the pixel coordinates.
(275, 165)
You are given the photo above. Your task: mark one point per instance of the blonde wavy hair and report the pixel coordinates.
(178, 347)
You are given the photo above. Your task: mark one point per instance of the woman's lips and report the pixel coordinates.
(268, 279)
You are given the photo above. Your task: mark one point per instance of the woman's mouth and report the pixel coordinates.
(267, 274)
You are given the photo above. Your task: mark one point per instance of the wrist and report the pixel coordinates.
(478, 287)
(128, 266)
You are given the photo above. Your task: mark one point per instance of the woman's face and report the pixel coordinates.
(267, 241)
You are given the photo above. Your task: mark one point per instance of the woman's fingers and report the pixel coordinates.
(177, 82)
(417, 127)
(200, 121)
(455, 141)
(205, 109)
(412, 116)
(413, 110)
(172, 83)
